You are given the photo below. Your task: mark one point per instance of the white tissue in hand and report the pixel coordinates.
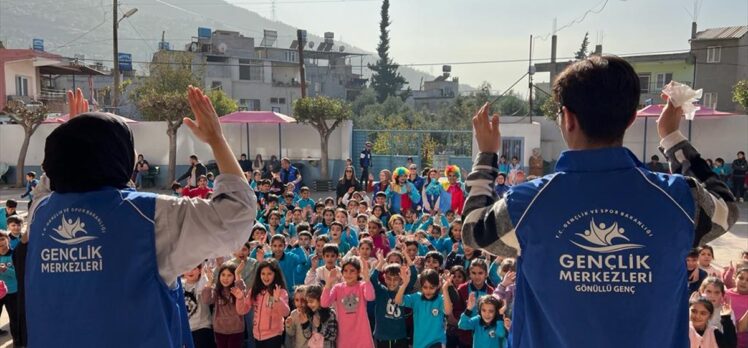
(683, 96)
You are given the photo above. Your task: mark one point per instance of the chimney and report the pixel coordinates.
(329, 37)
(693, 30)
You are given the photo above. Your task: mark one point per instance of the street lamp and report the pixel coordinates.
(115, 27)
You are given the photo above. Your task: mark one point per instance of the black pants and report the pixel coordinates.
(11, 304)
(364, 178)
(738, 186)
(401, 343)
(203, 338)
(274, 342)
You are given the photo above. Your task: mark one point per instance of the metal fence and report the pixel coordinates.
(392, 148)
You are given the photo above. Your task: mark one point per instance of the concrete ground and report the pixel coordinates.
(726, 248)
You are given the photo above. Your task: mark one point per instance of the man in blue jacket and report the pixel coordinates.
(601, 243)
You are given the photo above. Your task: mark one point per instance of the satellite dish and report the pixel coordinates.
(342, 48)
(311, 44)
(222, 47)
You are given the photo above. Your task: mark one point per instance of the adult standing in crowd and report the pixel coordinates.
(245, 163)
(601, 204)
(536, 163)
(196, 170)
(141, 168)
(258, 164)
(290, 174)
(347, 184)
(739, 169)
(121, 288)
(655, 165)
(365, 163)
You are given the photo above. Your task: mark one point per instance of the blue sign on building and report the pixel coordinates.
(125, 61)
(38, 44)
(203, 33)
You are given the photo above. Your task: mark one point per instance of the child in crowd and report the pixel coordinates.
(706, 256)
(738, 299)
(320, 275)
(702, 334)
(478, 287)
(294, 331)
(695, 274)
(714, 290)
(202, 190)
(390, 325)
(305, 201)
(228, 315)
(268, 299)
(487, 326)
(15, 223)
(286, 260)
(319, 323)
(193, 283)
(176, 189)
(349, 299)
(8, 276)
(429, 307)
(31, 182)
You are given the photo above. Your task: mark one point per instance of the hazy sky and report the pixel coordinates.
(448, 31)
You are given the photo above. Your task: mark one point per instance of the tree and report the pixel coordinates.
(582, 53)
(318, 112)
(29, 118)
(385, 79)
(162, 96)
(223, 104)
(740, 93)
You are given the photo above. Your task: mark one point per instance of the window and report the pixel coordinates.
(216, 85)
(276, 109)
(290, 56)
(663, 79)
(22, 86)
(644, 82)
(513, 146)
(710, 100)
(277, 100)
(250, 104)
(713, 54)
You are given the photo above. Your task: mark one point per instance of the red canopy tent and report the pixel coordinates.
(655, 110)
(259, 117)
(66, 117)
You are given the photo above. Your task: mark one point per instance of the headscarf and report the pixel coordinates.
(91, 151)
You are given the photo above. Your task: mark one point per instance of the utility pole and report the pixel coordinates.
(530, 72)
(301, 38)
(115, 58)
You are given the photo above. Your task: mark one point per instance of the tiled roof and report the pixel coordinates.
(722, 33)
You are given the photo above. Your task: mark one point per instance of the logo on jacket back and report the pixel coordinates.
(601, 238)
(604, 258)
(77, 230)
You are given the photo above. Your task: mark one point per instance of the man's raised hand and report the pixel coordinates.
(77, 103)
(486, 129)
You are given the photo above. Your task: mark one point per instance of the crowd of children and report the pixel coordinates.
(384, 268)
(375, 269)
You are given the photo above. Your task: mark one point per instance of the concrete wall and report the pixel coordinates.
(531, 132)
(300, 142)
(713, 137)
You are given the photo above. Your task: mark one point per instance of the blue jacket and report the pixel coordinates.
(364, 160)
(81, 247)
(603, 238)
